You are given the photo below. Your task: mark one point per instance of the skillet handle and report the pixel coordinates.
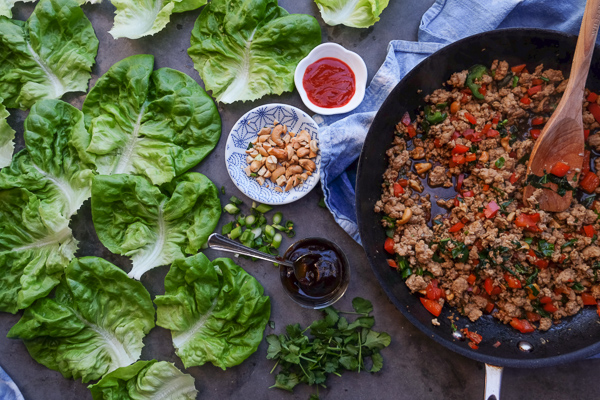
(493, 381)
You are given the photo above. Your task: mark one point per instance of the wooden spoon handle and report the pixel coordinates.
(584, 49)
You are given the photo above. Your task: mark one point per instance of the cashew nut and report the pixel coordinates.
(485, 157)
(276, 135)
(260, 180)
(247, 171)
(279, 153)
(302, 152)
(255, 166)
(313, 146)
(421, 168)
(271, 163)
(308, 164)
(262, 171)
(504, 142)
(405, 217)
(280, 180)
(289, 185)
(417, 153)
(415, 186)
(293, 170)
(263, 138)
(510, 217)
(264, 131)
(290, 152)
(277, 173)
(262, 152)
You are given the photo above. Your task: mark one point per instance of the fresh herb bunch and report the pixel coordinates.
(336, 345)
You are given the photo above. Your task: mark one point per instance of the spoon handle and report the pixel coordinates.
(220, 242)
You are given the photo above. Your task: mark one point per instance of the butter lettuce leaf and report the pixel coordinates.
(54, 165)
(245, 49)
(353, 13)
(95, 323)
(36, 245)
(50, 54)
(216, 311)
(135, 19)
(7, 137)
(154, 226)
(143, 380)
(157, 124)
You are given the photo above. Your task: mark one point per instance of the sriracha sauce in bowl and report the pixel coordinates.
(331, 79)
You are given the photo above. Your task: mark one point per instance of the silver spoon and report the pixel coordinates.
(220, 242)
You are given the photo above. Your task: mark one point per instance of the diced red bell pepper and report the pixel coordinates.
(534, 89)
(537, 121)
(460, 149)
(488, 285)
(594, 108)
(533, 317)
(398, 189)
(473, 336)
(598, 309)
(392, 263)
(537, 81)
(522, 325)
(473, 136)
(456, 227)
(586, 134)
(496, 290)
(432, 306)
(471, 118)
(459, 182)
(585, 167)
(470, 157)
(406, 119)
(589, 231)
(492, 133)
(465, 97)
(437, 143)
(389, 245)
(458, 159)
(527, 221)
(517, 68)
(472, 278)
(512, 282)
(588, 299)
(545, 299)
(590, 182)
(542, 264)
(403, 182)
(489, 307)
(513, 178)
(433, 292)
(455, 135)
(468, 193)
(535, 133)
(412, 132)
(486, 188)
(491, 209)
(482, 90)
(473, 345)
(592, 97)
(560, 169)
(525, 100)
(486, 128)
(549, 307)
(456, 201)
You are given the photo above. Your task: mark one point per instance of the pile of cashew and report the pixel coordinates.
(281, 156)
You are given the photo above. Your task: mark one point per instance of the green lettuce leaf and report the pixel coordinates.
(36, 245)
(151, 380)
(157, 124)
(245, 49)
(135, 19)
(154, 226)
(54, 165)
(7, 135)
(95, 323)
(50, 54)
(7, 5)
(353, 13)
(216, 311)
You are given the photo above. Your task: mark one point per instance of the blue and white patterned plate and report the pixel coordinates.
(246, 129)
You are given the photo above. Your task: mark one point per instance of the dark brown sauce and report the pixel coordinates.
(324, 268)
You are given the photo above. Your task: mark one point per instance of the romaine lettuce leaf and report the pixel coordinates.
(135, 19)
(7, 5)
(36, 245)
(216, 311)
(7, 135)
(95, 323)
(54, 165)
(50, 54)
(245, 49)
(145, 380)
(154, 226)
(157, 124)
(353, 13)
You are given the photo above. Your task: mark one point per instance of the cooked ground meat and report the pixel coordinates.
(487, 248)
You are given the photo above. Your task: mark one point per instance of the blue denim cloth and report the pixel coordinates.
(8, 389)
(341, 136)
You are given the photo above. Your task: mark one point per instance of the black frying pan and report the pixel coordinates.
(576, 337)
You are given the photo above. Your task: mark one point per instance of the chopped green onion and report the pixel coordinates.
(291, 233)
(247, 238)
(227, 228)
(235, 200)
(269, 232)
(279, 227)
(236, 233)
(241, 220)
(250, 220)
(231, 209)
(289, 224)
(223, 189)
(277, 240)
(277, 218)
(262, 208)
(257, 231)
(515, 81)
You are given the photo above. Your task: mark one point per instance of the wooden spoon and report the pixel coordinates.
(562, 137)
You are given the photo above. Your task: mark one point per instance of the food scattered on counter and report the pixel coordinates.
(336, 345)
(145, 380)
(253, 231)
(154, 225)
(95, 323)
(7, 137)
(50, 54)
(215, 311)
(159, 127)
(286, 158)
(356, 14)
(255, 50)
(329, 83)
(478, 245)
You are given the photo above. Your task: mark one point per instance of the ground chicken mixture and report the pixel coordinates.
(458, 227)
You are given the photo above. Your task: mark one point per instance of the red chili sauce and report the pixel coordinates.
(329, 83)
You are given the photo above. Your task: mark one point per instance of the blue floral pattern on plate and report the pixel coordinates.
(245, 130)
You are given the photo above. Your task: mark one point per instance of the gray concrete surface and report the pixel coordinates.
(415, 367)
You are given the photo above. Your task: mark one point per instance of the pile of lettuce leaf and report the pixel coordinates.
(353, 13)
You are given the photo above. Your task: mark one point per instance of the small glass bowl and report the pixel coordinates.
(302, 299)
